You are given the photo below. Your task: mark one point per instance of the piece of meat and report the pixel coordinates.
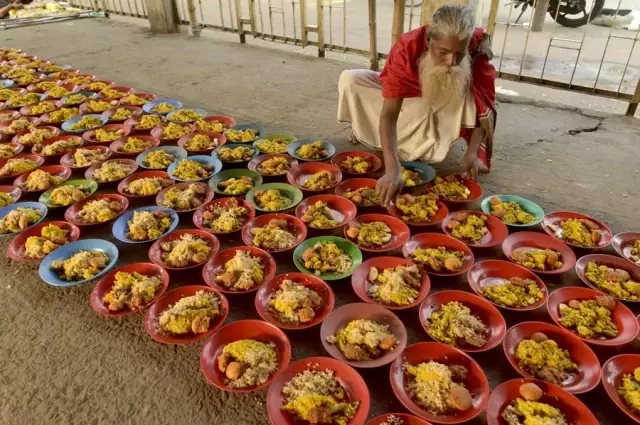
(458, 372)
(539, 337)
(551, 374)
(305, 314)
(460, 398)
(387, 342)
(223, 361)
(353, 352)
(319, 415)
(200, 324)
(530, 391)
(452, 264)
(606, 301)
(234, 370)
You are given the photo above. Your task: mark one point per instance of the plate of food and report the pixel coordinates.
(476, 229)
(78, 98)
(53, 148)
(377, 232)
(96, 210)
(96, 86)
(68, 193)
(134, 145)
(245, 356)
(314, 176)
(439, 383)
(418, 210)
(244, 133)
(106, 134)
(327, 257)
(331, 380)
(392, 282)
(81, 123)
(78, 262)
(361, 191)
(121, 113)
(187, 115)
(539, 253)
(513, 210)
(357, 163)
(416, 173)
(215, 123)
(58, 91)
(438, 254)
(137, 99)
(274, 143)
(186, 314)
(20, 216)
(595, 318)
(274, 197)
(577, 230)
(627, 245)
(194, 168)
(185, 197)
(274, 233)
(59, 116)
(397, 419)
(144, 123)
(145, 184)
(272, 165)
(170, 132)
(111, 171)
(201, 142)
(145, 224)
(19, 164)
(521, 401)
(235, 182)
(40, 108)
(8, 150)
(161, 106)
(115, 93)
(326, 212)
(39, 240)
(9, 195)
(129, 289)
(455, 189)
(8, 129)
(611, 275)
(235, 153)
(507, 285)
(184, 249)
(239, 270)
(363, 335)
(161, 157)
(36, 135)
(294, 301)
(311, 150)
(463, 320)
(42, 179)
(544, 351)
(224, 215)
(85, 156)
(621, 381)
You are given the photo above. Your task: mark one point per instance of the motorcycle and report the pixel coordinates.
(568, 13)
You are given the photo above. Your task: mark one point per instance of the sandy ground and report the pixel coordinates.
(64, 364)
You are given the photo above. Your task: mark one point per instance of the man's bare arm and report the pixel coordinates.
(391, 183)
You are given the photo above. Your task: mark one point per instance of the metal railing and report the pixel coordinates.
(605, 62)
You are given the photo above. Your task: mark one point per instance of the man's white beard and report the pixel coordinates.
(441, 84)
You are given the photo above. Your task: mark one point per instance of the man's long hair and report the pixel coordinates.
(442, 84)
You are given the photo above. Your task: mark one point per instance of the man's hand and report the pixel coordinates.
(389, 186)
(470, 165)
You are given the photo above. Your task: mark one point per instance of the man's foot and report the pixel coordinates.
(482, 168)
(353, 139)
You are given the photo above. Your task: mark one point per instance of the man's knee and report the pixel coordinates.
(358, 77)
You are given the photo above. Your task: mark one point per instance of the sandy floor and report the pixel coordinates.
(64, 364)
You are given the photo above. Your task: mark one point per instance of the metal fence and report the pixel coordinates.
(590, 59)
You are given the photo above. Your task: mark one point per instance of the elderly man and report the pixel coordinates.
(437, 86)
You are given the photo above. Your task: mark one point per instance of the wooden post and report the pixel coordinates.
(493, 17)
(304, 35)
(430, 7)
(633, 105)
(241, 34)
(320, 4)
(163, 16)
(373, 37)
(194, 28)
(397, 26)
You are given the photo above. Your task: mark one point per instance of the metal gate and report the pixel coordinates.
(590, 59)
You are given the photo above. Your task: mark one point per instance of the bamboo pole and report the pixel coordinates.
(373, 39)
(303, 23)
(252, 17)
(397, 27)
(493, 16)
(194, 27)
(320, 4)
(633, 106)
(243, 38)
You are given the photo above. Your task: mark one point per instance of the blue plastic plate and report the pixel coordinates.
(66, 124)
(35, 205)
(176, 151)
(203, 159)
(148, 107)
(293, 147)
(120, 226)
